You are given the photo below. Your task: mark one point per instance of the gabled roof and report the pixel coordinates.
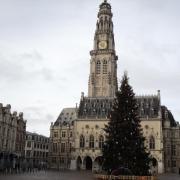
(67, 115)
(148, 106)
(95, 107)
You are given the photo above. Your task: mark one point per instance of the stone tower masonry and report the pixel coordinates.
(103, 63)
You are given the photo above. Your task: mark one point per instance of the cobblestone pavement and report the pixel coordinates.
(169, 177)
(50, 175)
(68, 175)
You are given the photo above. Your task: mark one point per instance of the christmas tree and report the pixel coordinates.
(124, 145)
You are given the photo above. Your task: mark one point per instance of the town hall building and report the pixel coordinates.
(77, 136)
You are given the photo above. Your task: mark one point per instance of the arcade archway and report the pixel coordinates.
(154, 166)
(98, 162)
(79, 163)
(88, 163)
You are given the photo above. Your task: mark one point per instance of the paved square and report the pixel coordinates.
(51, 175)
(169, 177)
(68, 175)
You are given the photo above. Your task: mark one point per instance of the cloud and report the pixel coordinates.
(47, 74)
(44, 52)
(38, 120)
(27, 66)
(32, 56)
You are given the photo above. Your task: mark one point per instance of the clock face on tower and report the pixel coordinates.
(102, 45)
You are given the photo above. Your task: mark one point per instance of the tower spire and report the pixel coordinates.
(103, 69)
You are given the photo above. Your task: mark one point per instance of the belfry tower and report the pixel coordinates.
(80, 146)
(103, 63)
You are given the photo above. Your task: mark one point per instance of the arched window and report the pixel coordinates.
(101, 141)
(151, 143)
(91, 141)
(82, 141)
(98, 67)
(104, 67)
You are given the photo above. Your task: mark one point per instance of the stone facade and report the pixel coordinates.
(62, 139)
(171, 134)
(92, 114)
(12, 138)
(20, 136)
(92, 117)
(36, 150)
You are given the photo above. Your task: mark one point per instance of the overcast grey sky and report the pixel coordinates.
(45, 44)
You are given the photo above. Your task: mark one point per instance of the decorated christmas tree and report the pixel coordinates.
(124, 145)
